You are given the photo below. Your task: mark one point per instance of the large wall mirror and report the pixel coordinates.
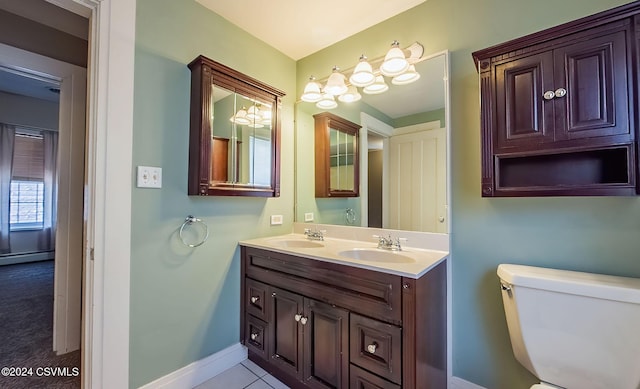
(404, 158)
(235, 133)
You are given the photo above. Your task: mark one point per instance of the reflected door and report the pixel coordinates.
(418, 181)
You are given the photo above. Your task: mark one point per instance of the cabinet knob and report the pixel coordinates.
(303, 320)
(297, 317)
(372, 348)
(441, 219)
(560, 92)
(548, 95)
(254, 336)
(255, 299)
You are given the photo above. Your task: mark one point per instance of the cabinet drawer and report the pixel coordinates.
(256, 336)
(368, 292)
(376, 346)
(256, 296)
(362, 379)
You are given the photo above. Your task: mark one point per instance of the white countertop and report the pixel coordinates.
(410, 262)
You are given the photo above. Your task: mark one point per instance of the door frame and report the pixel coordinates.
(107, 245)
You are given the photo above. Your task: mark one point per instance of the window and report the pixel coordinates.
(26, 202)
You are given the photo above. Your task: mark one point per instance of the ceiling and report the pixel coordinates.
(19, 83)
(309, 27)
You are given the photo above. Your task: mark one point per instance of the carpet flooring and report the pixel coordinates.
(26, 328)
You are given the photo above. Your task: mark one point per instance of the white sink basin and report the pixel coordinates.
(296, 243)
(376, 255)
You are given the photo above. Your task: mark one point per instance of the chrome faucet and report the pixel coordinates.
(389, 243)
(314, 234)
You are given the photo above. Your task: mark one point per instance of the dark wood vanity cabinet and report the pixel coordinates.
(558, 109)
(316, 324)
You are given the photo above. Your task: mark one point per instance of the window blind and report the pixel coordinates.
(28, 157)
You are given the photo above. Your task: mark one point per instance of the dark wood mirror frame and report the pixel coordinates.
(324, 122)
(205, 73)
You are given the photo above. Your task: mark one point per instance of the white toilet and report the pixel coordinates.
(573, 330)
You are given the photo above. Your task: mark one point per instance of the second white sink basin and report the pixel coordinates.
(376, 255)
(295, 243)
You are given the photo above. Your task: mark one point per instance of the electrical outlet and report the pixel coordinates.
(308, 217)
(149, 177)
(276, 220)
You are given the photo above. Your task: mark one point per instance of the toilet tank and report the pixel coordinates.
(571, 329)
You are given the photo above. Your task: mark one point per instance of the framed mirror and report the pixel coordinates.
(404, 156)
(337, 168)
(234, 141)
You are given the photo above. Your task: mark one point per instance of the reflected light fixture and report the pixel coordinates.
(327, 102)
(363, 73)
(351, 95)
(395, 62)
(379, 86)
(336, 83)
(240, 117)
(311, 92)
(407, 77)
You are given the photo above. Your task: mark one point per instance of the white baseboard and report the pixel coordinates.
(23, 258)
(200, 371)
(459, 383)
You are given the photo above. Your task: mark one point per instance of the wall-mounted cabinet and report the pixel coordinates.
(234, 141)
(558, 109)
(336, 156)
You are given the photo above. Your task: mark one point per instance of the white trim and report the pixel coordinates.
(200, 371)
(24, 258)
(459, 383)
(106, 315)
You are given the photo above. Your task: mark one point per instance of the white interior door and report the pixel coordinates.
(67, 301)
(418, 181)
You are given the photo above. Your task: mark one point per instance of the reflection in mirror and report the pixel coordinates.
(342, 147)
(404, 140)
(242, 144)
(337, 172)
(234, 139)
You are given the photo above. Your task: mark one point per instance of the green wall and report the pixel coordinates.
(185, 302)
(587, 234)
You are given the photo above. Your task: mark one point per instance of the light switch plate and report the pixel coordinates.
(149, 177)
(276, 220)
(308, 217)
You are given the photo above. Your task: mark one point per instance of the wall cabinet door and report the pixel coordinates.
(594, 75)
(523, 116)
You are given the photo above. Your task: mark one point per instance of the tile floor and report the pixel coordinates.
(244, 375)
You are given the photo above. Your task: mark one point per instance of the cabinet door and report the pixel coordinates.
(285, 332)
(524, 118)
(326, 346)
(594, 75)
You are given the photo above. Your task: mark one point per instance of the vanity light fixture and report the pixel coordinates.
(336, 83)
(351, 95)
(312, 93)
(379, 86)
(398, 64)
(327, 102)
(395, 62)
(407, 77)
(363, 73)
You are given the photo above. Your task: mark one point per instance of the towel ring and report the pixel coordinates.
(189, 221)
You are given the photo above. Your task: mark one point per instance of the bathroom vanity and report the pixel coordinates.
(344, 314)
